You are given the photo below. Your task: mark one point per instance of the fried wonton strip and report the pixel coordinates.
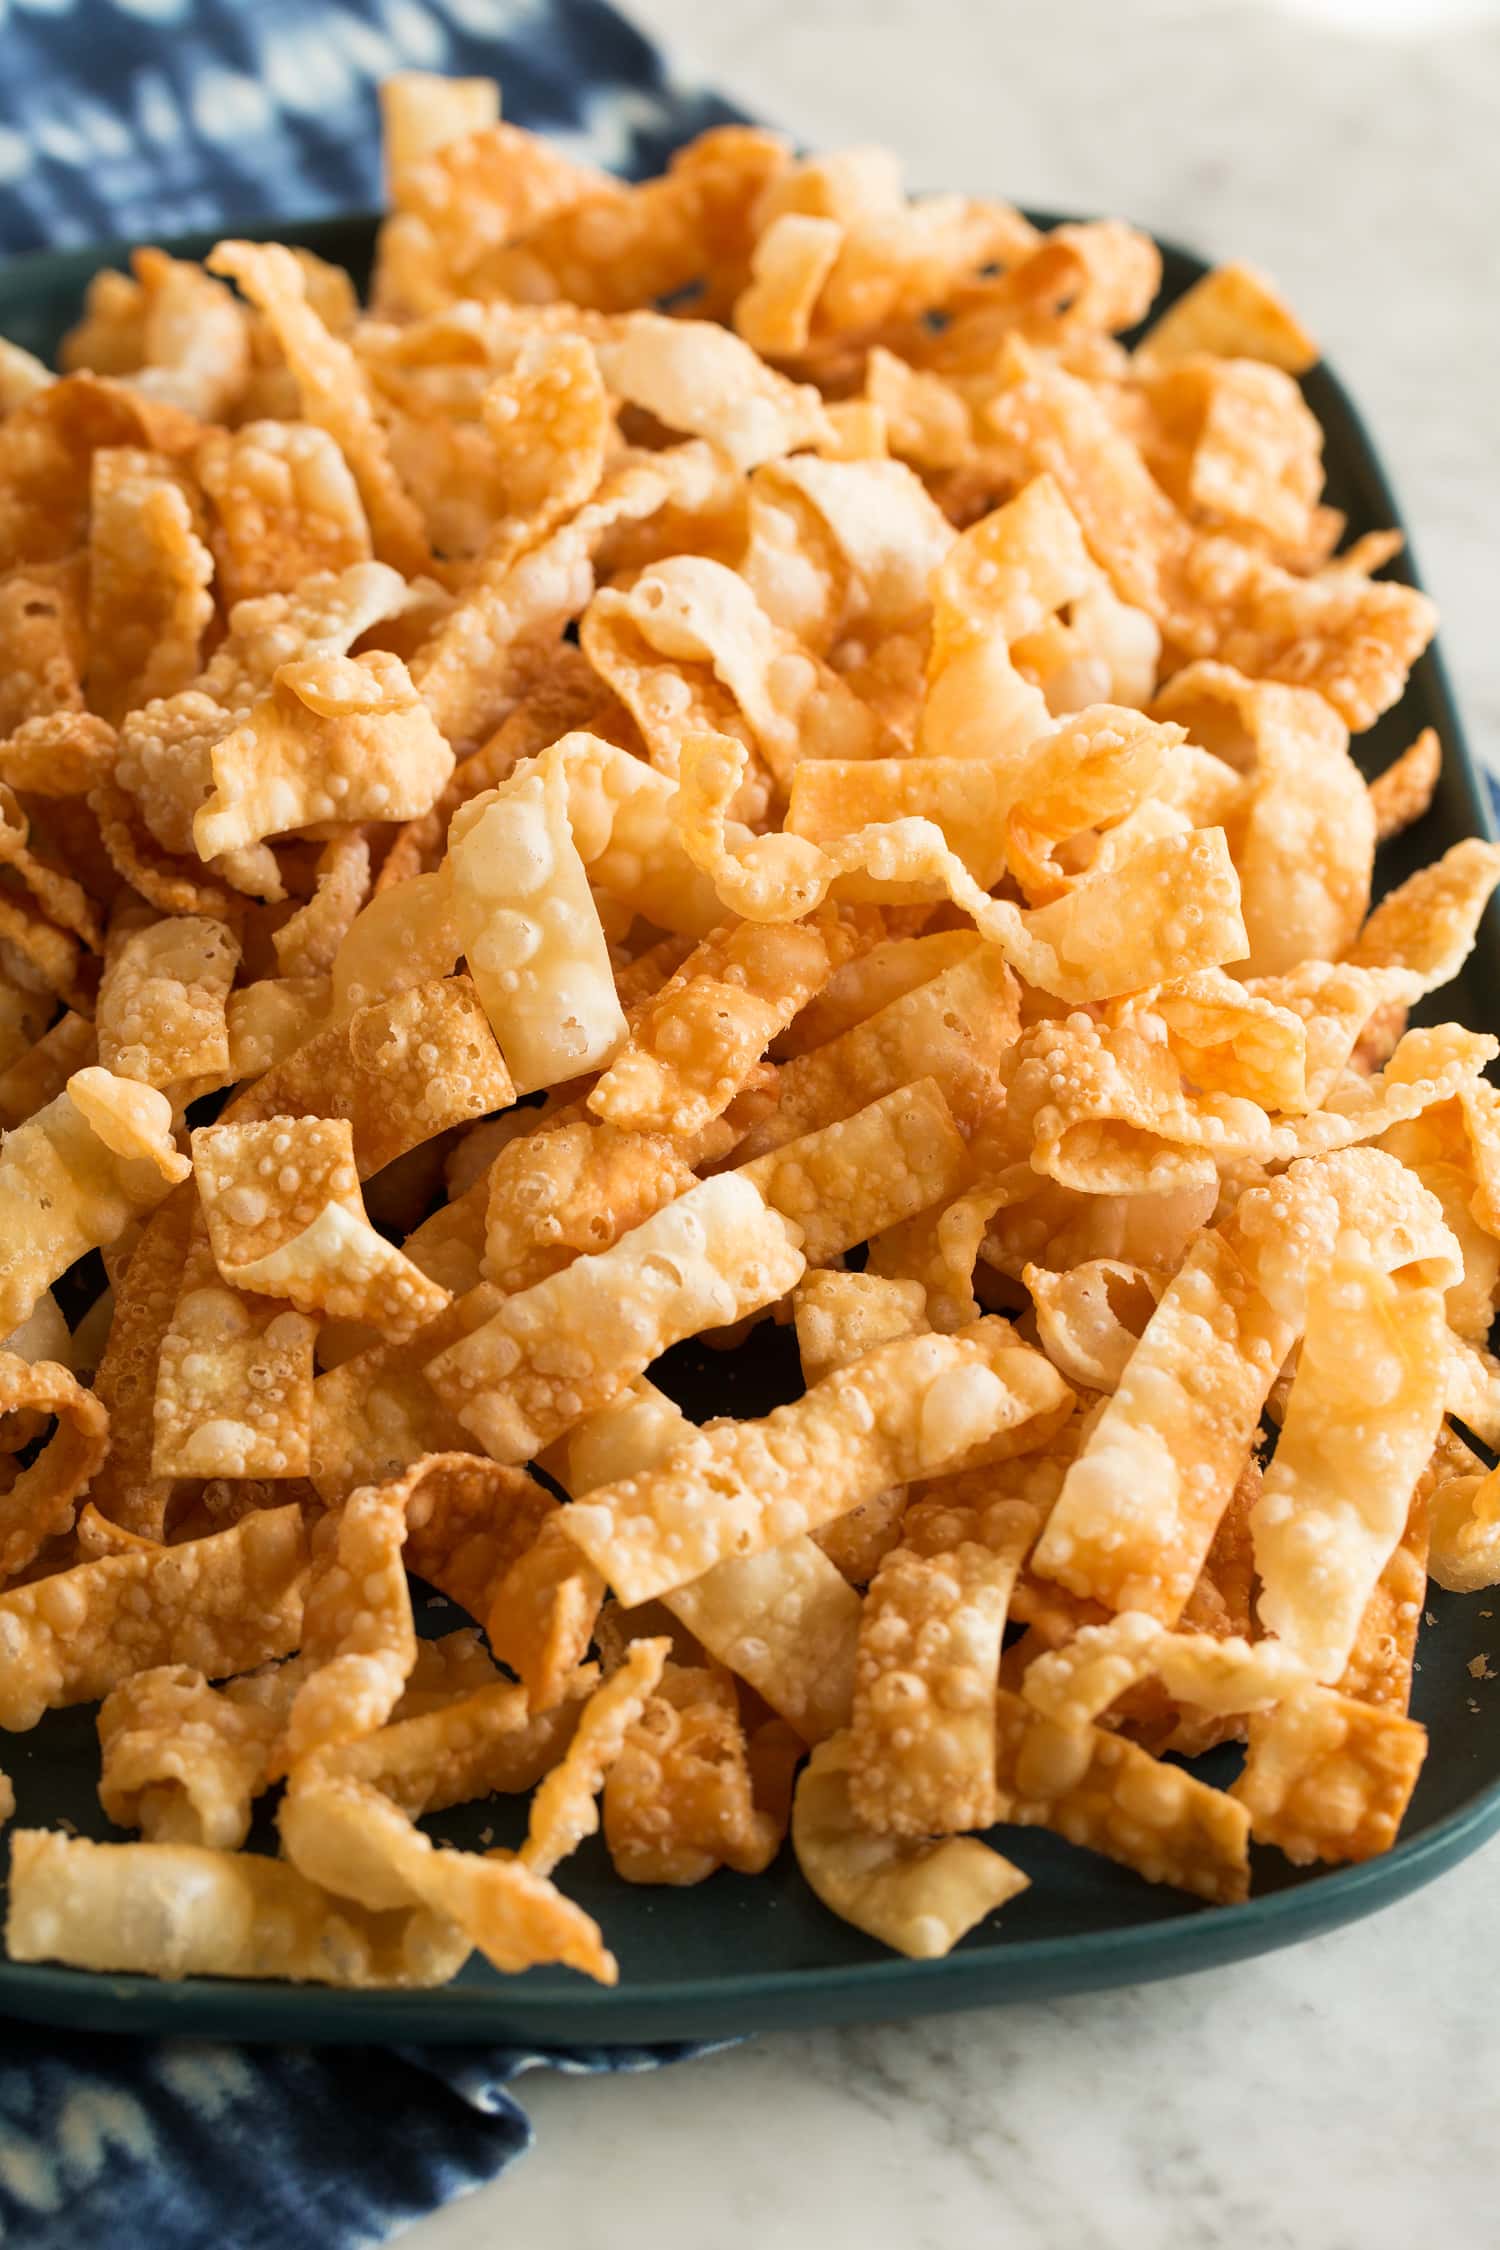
(357, 1631)
(852, 1179)
(195, 341)
(792, 259)
(695, 1043)
(786, 1622)
(56, 910)
(284, 505)
(39, 1075)
(471, 668)
(1305, 840)
(422, 112)
(575, 1340)
(1234, 313)
(308, 943)
(41, 700)
(162, 1012)
(839, 1317)
(337, 738)
(178, 1910)
(1108, 1111)
(870, 982)
(74, 1176)
(564, 1810)
(783, 1620)
(356, 1842)
(234, 1383)
(542, 1611)
(701, 379)
(221, 1604)
(474, 1745)
(689, 645)
(1109, 1795)
(1401, 794)
(401, 1070)
(334, 393)
(1429, 923)
(1139, 1506)
(1465, 1551)
(54, 958)
(149, 574)
(909, 1409)
(166, 748)
(1380, 1663)
(180, 1760)
(678, 1800)
(1090, 1319)
(999, 579)
(286, 1219)
(556, 1195)
(124, 1489)
(1103, 938)
(1364, 1412)
(45, 1494)
(954, 1029)
(468, 1521)
(400, 938)
(1352, 638)
(616, 248)
(919, 1898)
(922, 1738)
(1329, 1778)
(61, 755)
(1223, 1674)
(531, 931)
(376, 1413)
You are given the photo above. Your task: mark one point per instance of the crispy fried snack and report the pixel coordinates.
(727, 753)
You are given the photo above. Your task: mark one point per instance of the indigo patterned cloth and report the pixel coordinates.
(140, 118)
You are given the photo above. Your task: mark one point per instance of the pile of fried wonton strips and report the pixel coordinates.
(717, 723)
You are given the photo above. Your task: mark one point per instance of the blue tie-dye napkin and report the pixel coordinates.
(141, 118)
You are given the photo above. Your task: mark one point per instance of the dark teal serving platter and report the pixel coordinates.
(735, 1955)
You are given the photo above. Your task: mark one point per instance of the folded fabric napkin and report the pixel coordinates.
(140, 118)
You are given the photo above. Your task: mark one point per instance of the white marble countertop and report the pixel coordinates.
(1341, 2096)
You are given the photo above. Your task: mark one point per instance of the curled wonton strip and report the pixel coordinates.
(74, 1176)
(349, 1837)
(576, 1339)
(163, 1001)
(1105, 937)
(1139, 1506)
(149, 574)
(222, 1604)
(1329, 1778)
(909, 1409)
(918, 1897)
(530, 930)
(1350, 637)
(286, 1219)
(284, 505)
(182, 1761)
(338, 738)
(334, 394)
(177, 1910)
(783, 1620)
(44, 1496)
(1304, 841)
(1364, 1412)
